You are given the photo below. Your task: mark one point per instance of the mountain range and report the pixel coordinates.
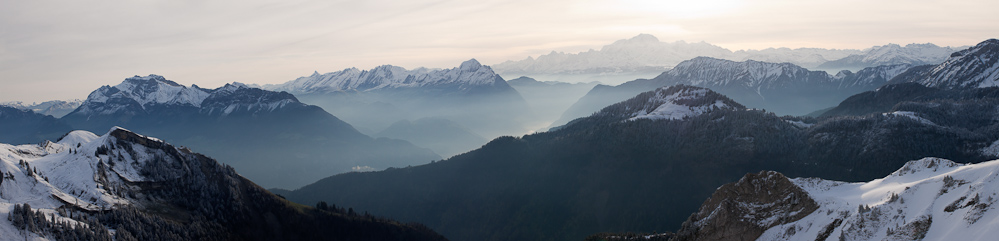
(471, 95)
(646, 163)
(647, 54)
(270, 137)
(648, 155)
(25, 126)
(783, 88)
(55, 108)
(126, 186)
(974, 67)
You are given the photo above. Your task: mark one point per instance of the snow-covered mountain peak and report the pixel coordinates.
(975, 67)
(984, 48)
(77, 137)
(147, 90)
(230, 87)
(713, 72)
(240, 98)
(670, 103)
(470, 65)
(677, 102)
(83, 170)
(470, 73)
(927, 166)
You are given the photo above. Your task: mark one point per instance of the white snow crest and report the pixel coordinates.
(82, 170)
(145, 90)
(669, 108)
(928, 199)
(469, 73)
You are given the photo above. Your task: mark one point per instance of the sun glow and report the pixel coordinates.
(677, 9)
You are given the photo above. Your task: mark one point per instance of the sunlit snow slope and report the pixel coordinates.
(929, 199)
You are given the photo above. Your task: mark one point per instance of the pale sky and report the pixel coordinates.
(66, 49)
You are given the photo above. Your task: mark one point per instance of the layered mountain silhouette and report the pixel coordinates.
(549, 99)
(270, 137)
(471, 95)
(646, 163)
(974, 67)
(443, 136)
(25, 126)
(782, 88)
(645, 53)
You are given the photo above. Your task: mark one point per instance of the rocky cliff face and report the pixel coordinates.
(745, 209)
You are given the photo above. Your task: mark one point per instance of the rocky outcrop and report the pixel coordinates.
(745, 209)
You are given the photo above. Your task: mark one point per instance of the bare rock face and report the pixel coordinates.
(745, 209)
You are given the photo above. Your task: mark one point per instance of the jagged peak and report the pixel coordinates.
(152, 78)
(986, 45)
(470, 65)
(755, 179)
(151, 89)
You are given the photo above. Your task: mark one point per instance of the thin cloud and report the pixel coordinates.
(64, 49)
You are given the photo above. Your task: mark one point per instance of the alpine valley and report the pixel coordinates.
(471, 95)
(269, 137)
(646, 163)
(900, 143)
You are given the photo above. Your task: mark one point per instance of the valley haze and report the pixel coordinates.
(487, 120)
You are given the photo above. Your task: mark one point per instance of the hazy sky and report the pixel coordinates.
(66, 49)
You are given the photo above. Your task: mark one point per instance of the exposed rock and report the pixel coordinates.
(745, 209)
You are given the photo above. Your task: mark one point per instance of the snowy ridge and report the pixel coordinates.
(893, 54)
(673, 106)
(708, 72)
(151, 89)
(240, 98)
(759, 76)
(470, 73)
(81, 170)
(928, 199)
(873, 76)
(976, 67)
(670, 103)
(137, 94)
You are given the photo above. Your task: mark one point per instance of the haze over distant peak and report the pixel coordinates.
(469, 74)
(646, 53)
